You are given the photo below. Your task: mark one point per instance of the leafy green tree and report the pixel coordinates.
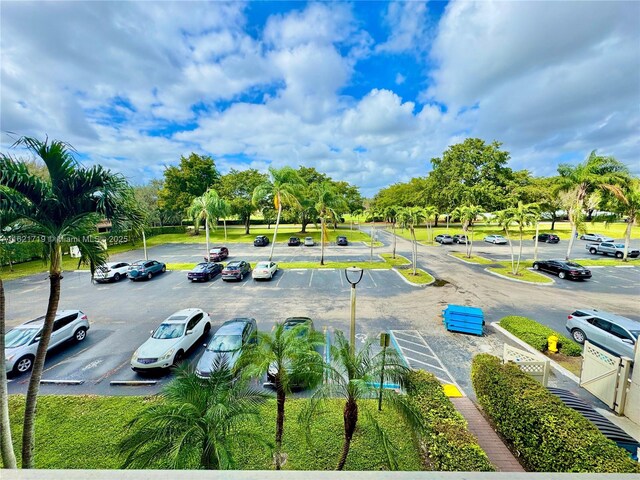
(65, 208)
(353, 377)
(284, 187)
(351, 195)
(291, 358)
(626, 202)
(147, 197)
(237, 187)
(191, 178)
(205, 207)
(327, 204)
(468, 214)
(595, 173)
(194, 421)
(471, 172)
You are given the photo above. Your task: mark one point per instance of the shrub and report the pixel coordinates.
(536, 335)
(549, 436)
(18, 252)
(448, 444)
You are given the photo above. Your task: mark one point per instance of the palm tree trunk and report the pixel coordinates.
(574, 230)
(627, 237)
(350, 421)
(322, 226)
(206, 231)
(275, 231)
(535, 243)
(28, 431)
(506, 231)
(414, 249)
(553, 222)
(224, 222)
(519, 254)
(6, 443)
(279, 422)
(206, 457)
(394, 240)
(247, 224)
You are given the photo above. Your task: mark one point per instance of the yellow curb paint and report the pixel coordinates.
(451, 391)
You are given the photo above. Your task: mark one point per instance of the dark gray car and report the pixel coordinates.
(228, 342)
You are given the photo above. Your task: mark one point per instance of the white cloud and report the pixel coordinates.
(409, 27)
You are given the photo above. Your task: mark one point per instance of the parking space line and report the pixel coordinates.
(425, 363)
(406, 333)
(341, 279)
(310, 278)
(280, 279)
(419, 353)
(371, 277)
(67, 360)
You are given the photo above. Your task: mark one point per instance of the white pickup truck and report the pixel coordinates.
(608, 248)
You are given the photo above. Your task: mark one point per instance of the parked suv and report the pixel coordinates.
(547, 238)
(217, 254)
(111, 271)
(21, 343)
(460, 239)
(227, 343)
(261, 241)
(236, 270)
(444, 239)
(342, 240)
(611, 332)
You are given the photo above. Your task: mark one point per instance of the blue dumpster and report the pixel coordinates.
(458, 318)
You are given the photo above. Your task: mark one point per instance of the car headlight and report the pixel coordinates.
(135, 355)
(167, 355)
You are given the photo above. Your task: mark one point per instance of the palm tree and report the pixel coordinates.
(468, 214)
(354, 377)
(327, 203)
(504, 218)
(430, 213)
(62, 209)
(391, 213)
(205, 207)
(284, 186)
(523, 215)
(410, 217)
(627, 203)
(595, 173)
(290, 357)
(223, 209)
(194, 421)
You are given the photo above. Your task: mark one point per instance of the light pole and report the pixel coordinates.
(353, 276)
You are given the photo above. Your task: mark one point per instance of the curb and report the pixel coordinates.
(555, 365)
(411, 283)
(61, 382)
(468, 262)
(521, 281)
(132, 383)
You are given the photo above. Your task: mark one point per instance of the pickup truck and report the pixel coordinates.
(608, 248)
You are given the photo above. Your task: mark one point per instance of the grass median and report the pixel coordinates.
(395, 262)
(473, 259)
(420, 278)
(504, 269)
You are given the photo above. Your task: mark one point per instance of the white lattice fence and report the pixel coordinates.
(534, 365)
(600, 373)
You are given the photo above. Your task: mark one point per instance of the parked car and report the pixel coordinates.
(462, 239)
(547, 238)
(265, 270)
(236, 270)
(293, 242)
(204, 271)
(289, 324)
(217, 254)
(596, 237)
(261, 241)
(496, 239)
(444, 239)
(611, 332)
(145, 269)
(111, 271)
(21, 343)
(227, 342)
(171, 340)
(342, 241)
(608, 248)
(309, 242)
(563, 269)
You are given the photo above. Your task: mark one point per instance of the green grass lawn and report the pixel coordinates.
(398, 261)
(474, 258)
(523, 274)
(606, 261)
(420, 278)
(83, 431)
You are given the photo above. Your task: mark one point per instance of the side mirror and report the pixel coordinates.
(37, 339)
(150, 332)
(204, 345)
(188, 332)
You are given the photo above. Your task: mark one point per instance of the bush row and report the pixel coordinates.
(18, 252)
(537, 335)
(448, 445)
(549, 436)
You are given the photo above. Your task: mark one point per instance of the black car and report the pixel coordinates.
(261, 241)
(236, 270)
(563, 269)
(341, 240)
(547, 238)
(204, 271)
(462, 239)
(293, 242)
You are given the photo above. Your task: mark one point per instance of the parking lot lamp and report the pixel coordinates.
(353, 276)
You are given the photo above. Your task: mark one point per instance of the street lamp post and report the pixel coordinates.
(353, 276)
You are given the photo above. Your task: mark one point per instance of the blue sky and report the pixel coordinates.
(366, 92)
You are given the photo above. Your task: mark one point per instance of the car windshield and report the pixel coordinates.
(19, 337)
(137, 264)
(168, 330)
(262, 265)
(215, 250)
(231, 267)
(225, 343)
(619, 245)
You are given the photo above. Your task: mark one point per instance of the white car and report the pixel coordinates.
(596, 237)
(495, 239)
(265, 270)
(21, 343)
(111, 271)
(309, 242)
(171, 340)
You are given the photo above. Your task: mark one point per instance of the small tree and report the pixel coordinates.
(205, 207)
(430, 213)
(410, 217)
(468, 214)
(627, 203)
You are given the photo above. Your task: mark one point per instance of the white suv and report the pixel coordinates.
(21, 343)
(111, 271)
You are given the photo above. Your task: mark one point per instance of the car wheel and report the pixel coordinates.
(619, 255)
(80, 334)
(578, 335)
(241, 276)
(581, 237)
(207, 328)
(116, 277)
(164, 268)
(561, 275)
(23, 365)
(149, 275)
(593, 251)
(270, 276)
(536, 266)
(178, 358)
(208, 278)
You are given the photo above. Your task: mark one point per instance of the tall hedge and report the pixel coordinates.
(537, 335)
(447, 443)
(549, 436)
